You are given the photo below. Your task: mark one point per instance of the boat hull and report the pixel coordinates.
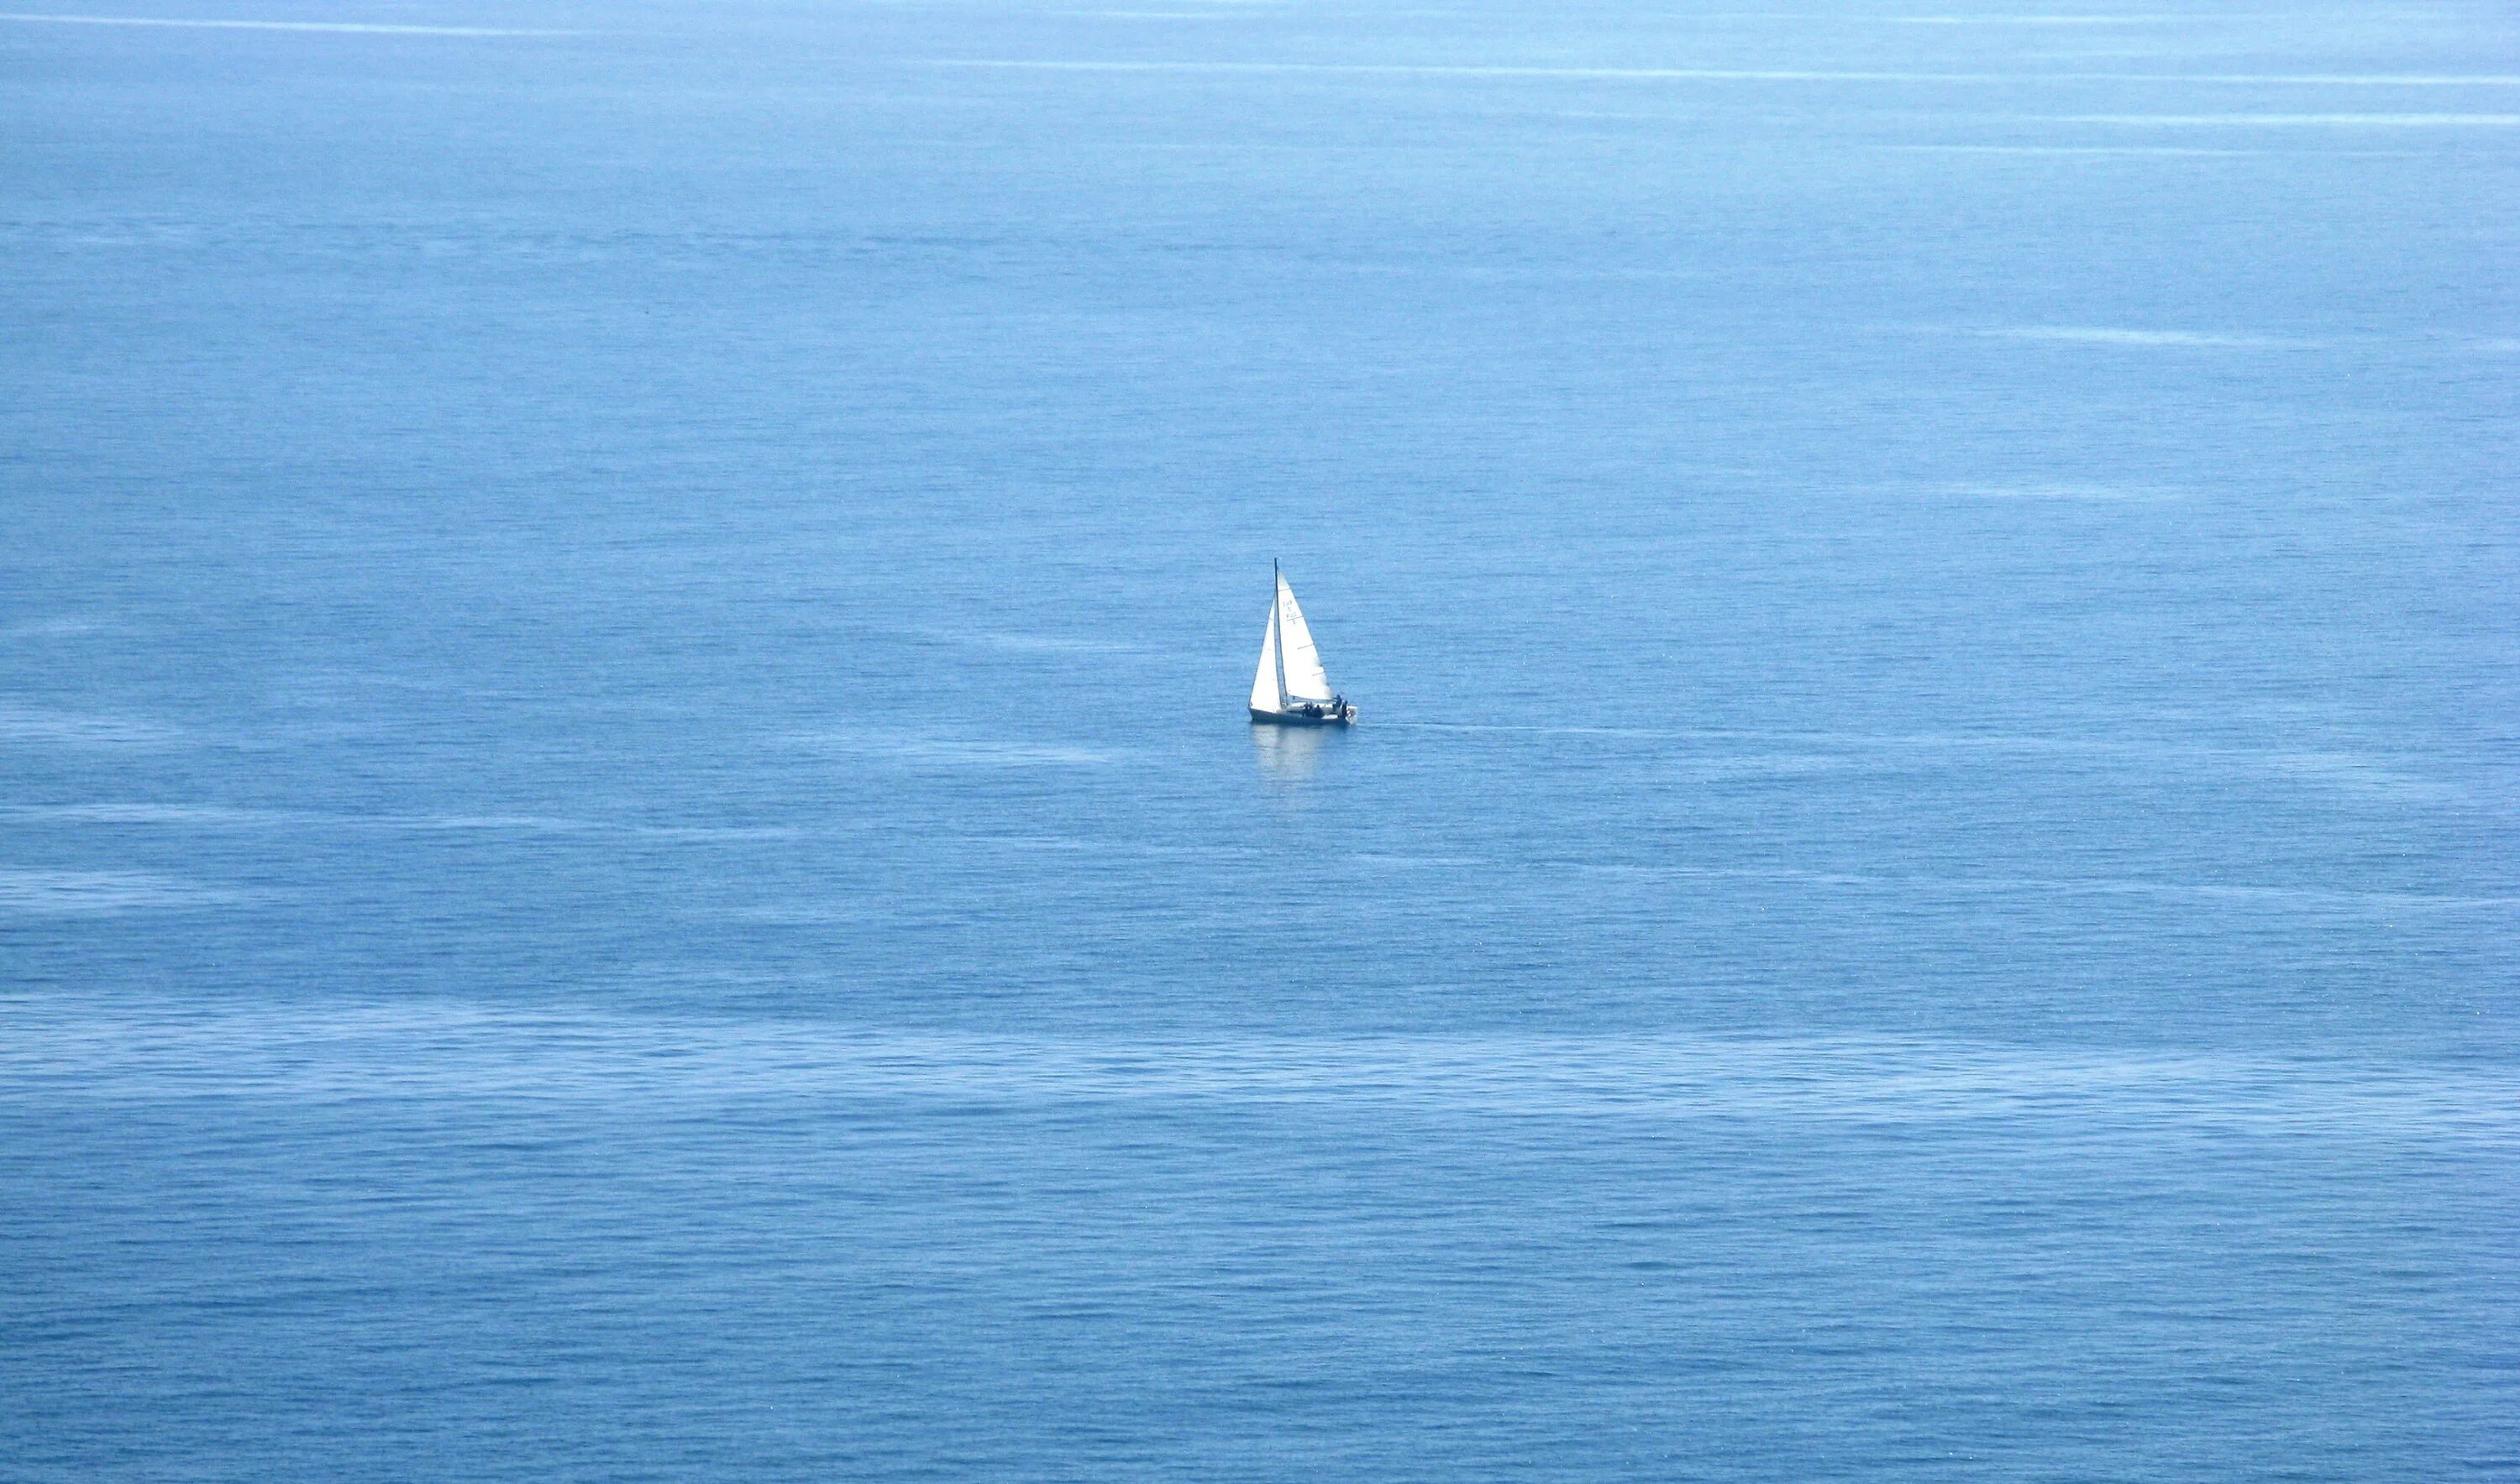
(1338, 718)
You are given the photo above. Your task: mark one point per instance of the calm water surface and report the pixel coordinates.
(628, 847)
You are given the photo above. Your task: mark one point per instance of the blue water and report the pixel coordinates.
(628, 846)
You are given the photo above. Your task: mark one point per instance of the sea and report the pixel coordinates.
(630, 847)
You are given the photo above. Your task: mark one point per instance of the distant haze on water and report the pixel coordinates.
(630, 847)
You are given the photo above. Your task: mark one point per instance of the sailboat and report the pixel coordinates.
(1290, 688)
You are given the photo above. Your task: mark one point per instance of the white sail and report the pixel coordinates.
(1300, 664)
(1265, 695)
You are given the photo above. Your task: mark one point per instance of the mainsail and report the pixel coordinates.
(1299, 665)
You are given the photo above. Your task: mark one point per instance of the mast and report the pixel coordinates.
(1277, 629)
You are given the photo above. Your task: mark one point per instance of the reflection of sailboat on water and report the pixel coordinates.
(1290, 754)
(1290, 688)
